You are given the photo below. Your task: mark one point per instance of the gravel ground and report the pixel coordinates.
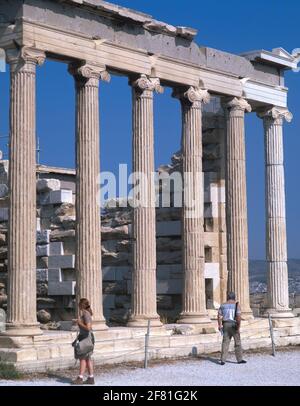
(261, 370)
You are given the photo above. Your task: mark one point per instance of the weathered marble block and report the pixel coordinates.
(109, 301)
(54, 275)
(111, 273)
(42, 250)
(56, 248)
(66, 209)
(2, 320)
(211, 151)
(47, 185)
(47, 212)
(4, 171)
(168, 214)
(42, 275)
(66, 288)
(62, 234)
(3, 190)
(56, 197)
(168, 244)
(62, 261)
(42, 262)
(163, 287)
(168, 228)
(171, 287)
(164, 272)
(3, 214)
(164, 302)
(173, 257)
(43, 237)
(61, 196)
(43, 198)
(113, 233)
(208, 210)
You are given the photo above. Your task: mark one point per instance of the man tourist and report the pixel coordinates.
(229, 320)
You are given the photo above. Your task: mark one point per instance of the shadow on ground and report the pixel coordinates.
(214, 360)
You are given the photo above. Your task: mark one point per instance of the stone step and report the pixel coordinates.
(53, 350)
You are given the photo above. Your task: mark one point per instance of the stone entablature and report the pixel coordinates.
(91, 32)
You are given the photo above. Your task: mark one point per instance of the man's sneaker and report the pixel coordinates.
(222, 363)
(90, 381)
(242, 362)
(77, 381)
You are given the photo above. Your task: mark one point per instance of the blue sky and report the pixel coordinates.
(232, 26)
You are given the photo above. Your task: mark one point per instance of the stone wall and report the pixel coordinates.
(56, 240)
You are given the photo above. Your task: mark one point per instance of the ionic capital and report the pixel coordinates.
(276, 114)
(145, 83)
(237, 104)
(88, 71)
(25, 55)
(192, 95)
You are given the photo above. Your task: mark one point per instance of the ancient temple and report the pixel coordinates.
(98, 39)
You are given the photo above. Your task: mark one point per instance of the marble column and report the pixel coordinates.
(236, 203)
(276, 240)
(88, 220)
(21, 306)
(144, 221)
(193, 256)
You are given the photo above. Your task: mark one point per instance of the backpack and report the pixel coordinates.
(85, 346)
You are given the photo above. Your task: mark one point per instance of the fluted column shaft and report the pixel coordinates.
(88, 220)
(193, 257)
(236, 203)
(144, 306)
(21, 306)
(276, 239)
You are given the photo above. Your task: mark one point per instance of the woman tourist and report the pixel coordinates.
(84, 343)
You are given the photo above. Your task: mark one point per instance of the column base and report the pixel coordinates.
(279, 314)
(143, 322)
(247, 315)
(15, 330)
(99, 325)
(212, 314)
(192, 318)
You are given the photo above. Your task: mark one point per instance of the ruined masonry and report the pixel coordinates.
(141, 264)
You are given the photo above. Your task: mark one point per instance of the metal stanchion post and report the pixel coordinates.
(147, 345)
(272, 336)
